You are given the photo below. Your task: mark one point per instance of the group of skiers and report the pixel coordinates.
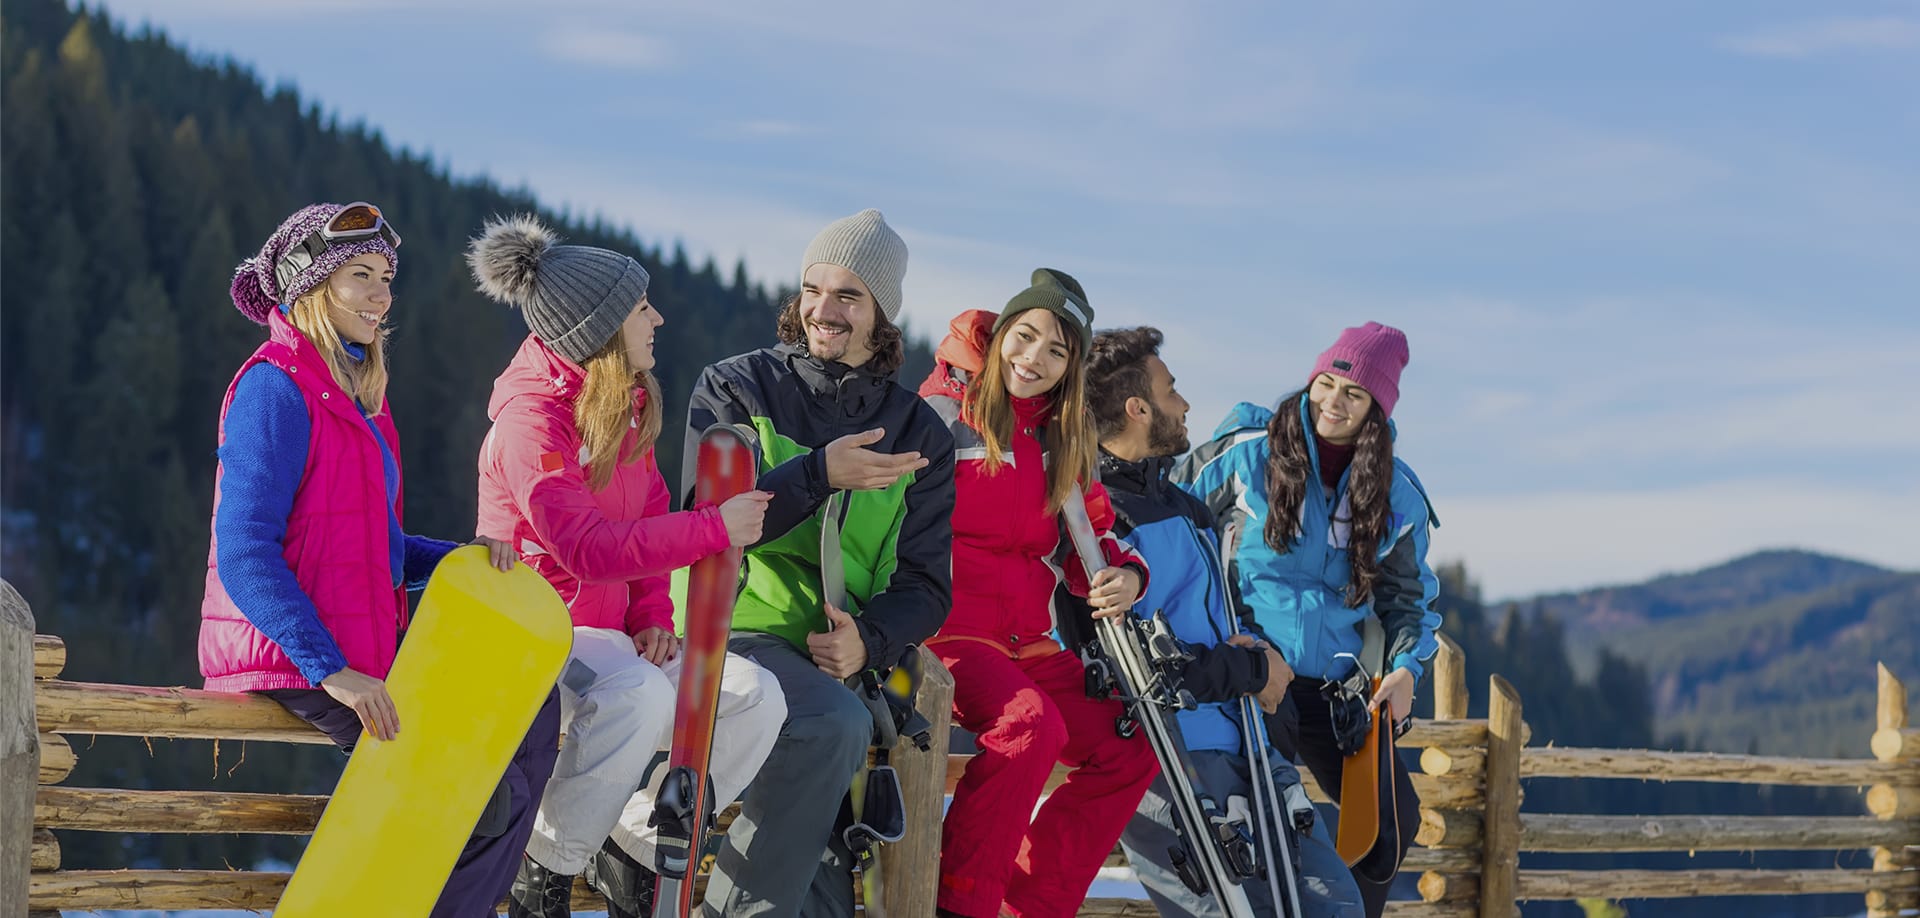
(937, 517)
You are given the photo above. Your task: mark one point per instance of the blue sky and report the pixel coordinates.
(1656, 261)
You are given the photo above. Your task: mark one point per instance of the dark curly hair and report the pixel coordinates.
(1117, 371)
(1369, 486)
(889, 350)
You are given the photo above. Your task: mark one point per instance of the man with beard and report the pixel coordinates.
(1142, 423)
(830, 421)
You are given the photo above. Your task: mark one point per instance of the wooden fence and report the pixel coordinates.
(1471, 833)
(1498, 830)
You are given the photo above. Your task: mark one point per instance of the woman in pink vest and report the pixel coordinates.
(309, 568)
(568, 476)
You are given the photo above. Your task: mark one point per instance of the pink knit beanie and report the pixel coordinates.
(1373, 356)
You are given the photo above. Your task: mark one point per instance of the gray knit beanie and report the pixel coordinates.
(573, 296)
(867, 246)
(1059, 293)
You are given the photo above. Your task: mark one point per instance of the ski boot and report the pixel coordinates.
(627, 886)
(539, 893)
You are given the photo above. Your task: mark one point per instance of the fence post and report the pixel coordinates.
(1500, 866)
(19, 750)
(915, 885)
(1893, 741)
(1449, 681)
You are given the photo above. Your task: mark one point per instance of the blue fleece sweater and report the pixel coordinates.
(262, 462)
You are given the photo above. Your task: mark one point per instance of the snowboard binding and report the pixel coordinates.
(673, 814)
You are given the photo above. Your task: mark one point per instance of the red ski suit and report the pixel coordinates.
(1014, 686)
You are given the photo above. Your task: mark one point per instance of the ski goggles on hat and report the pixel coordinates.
(357, 222)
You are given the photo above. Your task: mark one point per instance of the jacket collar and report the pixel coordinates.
(536, 370)
(306, 356)
(1035, 410)
(856, 391)
(1144, 476)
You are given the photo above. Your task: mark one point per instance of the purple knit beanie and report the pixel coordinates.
(254, 288)
(1373, 356)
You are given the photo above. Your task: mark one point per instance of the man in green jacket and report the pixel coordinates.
(829, 418)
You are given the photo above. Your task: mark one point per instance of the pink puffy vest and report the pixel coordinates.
(336, 541)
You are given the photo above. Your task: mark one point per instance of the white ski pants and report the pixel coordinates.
(616, 710)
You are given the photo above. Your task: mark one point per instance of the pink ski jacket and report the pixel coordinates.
(607, 552)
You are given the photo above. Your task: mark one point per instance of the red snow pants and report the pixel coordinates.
(1028, 715)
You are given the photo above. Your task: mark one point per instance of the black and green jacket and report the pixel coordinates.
(896, 543)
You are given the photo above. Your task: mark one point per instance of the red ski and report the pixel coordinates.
(683, 810)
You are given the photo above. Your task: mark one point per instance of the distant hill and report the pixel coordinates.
(1759, 577)
(1773, 651)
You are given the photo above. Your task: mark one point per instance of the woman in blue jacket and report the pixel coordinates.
(1325, 529)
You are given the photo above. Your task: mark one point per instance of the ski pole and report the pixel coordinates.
(1272, 833)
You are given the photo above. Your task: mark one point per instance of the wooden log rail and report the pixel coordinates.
(1649, 765)
(92, 890)
(1563, 833)
(62, 707)
(1472, 824)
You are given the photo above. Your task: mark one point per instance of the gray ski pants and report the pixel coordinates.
(784, 857)
(1327, 889)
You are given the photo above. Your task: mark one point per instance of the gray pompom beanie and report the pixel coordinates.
(867, 246)
(573, 296)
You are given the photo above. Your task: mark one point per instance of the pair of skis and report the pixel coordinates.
(1141, 660)
(726, 465)
(1268, 806)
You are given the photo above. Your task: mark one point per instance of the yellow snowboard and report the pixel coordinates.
(479, 659)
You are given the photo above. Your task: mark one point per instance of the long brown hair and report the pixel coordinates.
(365, 379)
(889, 352)
(1369, 488)
(1071, 444)
(604, 412)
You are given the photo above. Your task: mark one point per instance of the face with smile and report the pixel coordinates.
(1337, 405)
(1033, 353)
(637, 333)
(361, 292)
(838, 312)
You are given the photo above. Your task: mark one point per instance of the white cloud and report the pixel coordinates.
(945, 274)
(1810, 38)
(1521, 544)
(613, 48)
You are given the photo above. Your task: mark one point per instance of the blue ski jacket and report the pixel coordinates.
(1174, 531)
(1297, 600)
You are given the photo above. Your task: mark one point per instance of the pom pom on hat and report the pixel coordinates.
(506, 257)
(573, 296)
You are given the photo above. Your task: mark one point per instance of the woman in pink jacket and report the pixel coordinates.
(568, 476)
(309, 568)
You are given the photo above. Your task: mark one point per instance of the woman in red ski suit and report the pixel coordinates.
(1011, 388)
